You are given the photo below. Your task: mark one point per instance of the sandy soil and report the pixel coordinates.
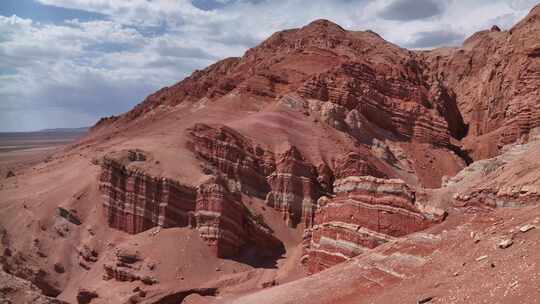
(22, 149)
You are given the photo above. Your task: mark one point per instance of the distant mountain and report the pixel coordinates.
(80, 130)
(65, 130)
(12, 141)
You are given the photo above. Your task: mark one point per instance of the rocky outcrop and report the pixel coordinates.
(25, 272)
(69, 215)
(228, 226)
(510, 179)
(289, 183)
(85, 296)
(230, 154)
(87, 256)
(354, 164)
(404, 114)
(134, 201)
(504, 109)
(365, 213)
(126, 265)
(294, 188)
(398, 103)
(17, 290)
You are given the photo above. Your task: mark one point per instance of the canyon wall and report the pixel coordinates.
(225, 151)
(294, 188)
(228, 226)
(287, 182)
(134, 201)
(504, 108)
(365, 213)
(366, 207)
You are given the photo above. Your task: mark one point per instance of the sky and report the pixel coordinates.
(66, 63)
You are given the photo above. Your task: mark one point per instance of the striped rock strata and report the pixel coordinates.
(365, 213)
(401, 104)
(294, 188)
(288, 182)
(228, 226)
(229, 153)
(504, 109)
(134, 201)
(354, 164)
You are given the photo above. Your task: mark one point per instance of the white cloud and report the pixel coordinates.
(82, 69)
(405, 10)
(140, 12)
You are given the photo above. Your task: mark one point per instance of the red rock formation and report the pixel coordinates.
(494, 77)
(365, 213)
(18, 290)
(211, 82)
(294, 188)
(289, 184)
(364, 87)
(354, 81)
(134, 201)
(126, 265)
(357, 70)
(353, 164)
(395, 100)
(227, 225)
(426, 96)
(234, 156)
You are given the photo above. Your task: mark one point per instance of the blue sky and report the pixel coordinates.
(66, 63)
(34, 10)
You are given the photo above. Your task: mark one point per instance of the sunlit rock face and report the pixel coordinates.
(294, 188)
(134, 201)
(365, 213)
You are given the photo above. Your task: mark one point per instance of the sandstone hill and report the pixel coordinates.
(323, 166)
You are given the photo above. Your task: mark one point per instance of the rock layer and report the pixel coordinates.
(134, 201)
(234, 156)
(227, 225)
(289, 184)
(365, 213)
(354, 164)
(504, 109)
(394, 100)
(294, 188)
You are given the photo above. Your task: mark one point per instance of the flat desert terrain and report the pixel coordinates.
(18, 149)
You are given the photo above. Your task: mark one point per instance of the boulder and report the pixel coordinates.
(85, 296)
(69, 215)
